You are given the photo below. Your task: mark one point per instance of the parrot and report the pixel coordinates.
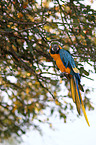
(66, 64)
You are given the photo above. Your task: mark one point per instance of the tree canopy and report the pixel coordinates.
(29, 78)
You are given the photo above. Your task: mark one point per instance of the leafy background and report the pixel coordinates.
(29, 78)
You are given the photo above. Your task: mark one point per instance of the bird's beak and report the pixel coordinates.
(55, 48)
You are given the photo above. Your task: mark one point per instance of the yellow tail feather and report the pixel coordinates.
(77, 101)
(85, 115)
(84, 112)
(74, 94)
(72, 89)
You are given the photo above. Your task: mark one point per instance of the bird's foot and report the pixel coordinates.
(62, 74)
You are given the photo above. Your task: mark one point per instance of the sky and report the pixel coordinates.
(74, 132)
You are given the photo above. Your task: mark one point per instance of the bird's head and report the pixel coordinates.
(54, 48)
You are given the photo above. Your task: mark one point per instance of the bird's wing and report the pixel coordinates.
(68, 60)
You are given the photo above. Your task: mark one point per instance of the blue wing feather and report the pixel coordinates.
(67, 59)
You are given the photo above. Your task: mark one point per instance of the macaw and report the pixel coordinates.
(66, 64)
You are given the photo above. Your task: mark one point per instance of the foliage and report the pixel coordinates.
(29, 82)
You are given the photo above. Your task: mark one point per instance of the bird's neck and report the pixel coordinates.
(55, 56)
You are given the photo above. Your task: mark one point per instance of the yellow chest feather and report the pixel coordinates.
(59, 63)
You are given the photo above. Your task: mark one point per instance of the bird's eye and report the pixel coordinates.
(52, 49)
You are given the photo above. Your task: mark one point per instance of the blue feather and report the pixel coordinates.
(67, 59)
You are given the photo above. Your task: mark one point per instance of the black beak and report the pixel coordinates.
(55, 47)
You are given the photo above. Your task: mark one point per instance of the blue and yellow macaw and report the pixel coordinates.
(66, 64)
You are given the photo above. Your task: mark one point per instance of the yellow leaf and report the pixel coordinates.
(37, 105)
(95, 41)
(36, 83)
(27, 90)
(20, 15)
(36, 110)
(13, 109)
(56, 8)
(14, 47)
(63, 5)
(28, 74)
(60, 81)
(48, 38)
(51, 125)
(55, 93)
(24, 76)
(57, 103)
(30, 17)
(30, 84)
(20, 118)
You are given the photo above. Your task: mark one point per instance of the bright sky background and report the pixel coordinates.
(74, 132)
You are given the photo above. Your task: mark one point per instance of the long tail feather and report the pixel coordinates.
(77, 88)
(77, 101)
(84, 112)
(74, 94)
(72, 86)
(81, 102)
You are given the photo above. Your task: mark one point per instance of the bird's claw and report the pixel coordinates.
(62, 74)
